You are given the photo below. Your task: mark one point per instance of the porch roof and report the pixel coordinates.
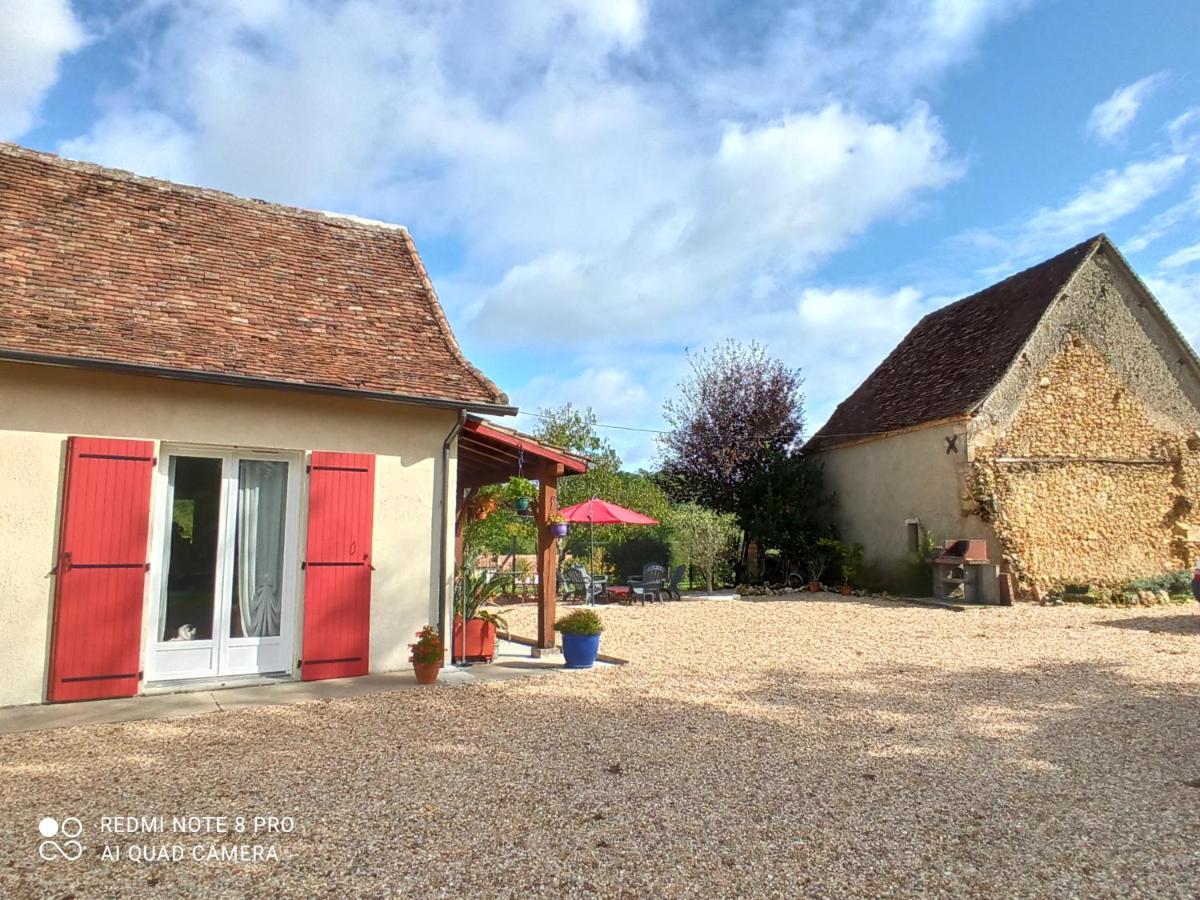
(489, 453)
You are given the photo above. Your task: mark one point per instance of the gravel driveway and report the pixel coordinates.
(823, 747)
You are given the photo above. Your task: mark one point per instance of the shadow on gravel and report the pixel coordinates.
(900, 779)
(1183, 624)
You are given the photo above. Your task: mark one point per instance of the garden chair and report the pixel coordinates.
(672, 587)
(650, 585)
(586, 586)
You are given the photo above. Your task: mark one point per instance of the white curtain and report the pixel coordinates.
(262, 493)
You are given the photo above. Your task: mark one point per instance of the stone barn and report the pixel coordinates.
(1054, 415)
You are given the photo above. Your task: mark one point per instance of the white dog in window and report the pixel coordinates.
(186, 633)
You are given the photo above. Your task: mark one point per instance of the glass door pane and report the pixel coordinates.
(189, 602)
(257, 604)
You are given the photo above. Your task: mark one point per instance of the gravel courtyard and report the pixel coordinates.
(817, 747)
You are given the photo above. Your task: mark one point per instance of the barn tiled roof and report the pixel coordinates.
(954, 356)
(103, 267)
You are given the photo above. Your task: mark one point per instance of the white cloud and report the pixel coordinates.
(768, 202)
(623, 19)
(1164, 222)
(836, 335)
(1184, 132)
(1109, 120)
(1108, 197)
(613, 174)
(1180, 296)
(625, 391)
(34, 37)
(874, 54)
(1104, 200)
(1180, 258)
(142, 141)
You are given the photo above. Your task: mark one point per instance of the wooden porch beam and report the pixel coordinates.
(547, 554)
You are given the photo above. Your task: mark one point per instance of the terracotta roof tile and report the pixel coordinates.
(101, 265)
(954, 356)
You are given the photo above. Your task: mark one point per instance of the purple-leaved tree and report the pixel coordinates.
(737, 403)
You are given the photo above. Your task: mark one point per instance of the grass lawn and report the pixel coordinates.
(820, 747)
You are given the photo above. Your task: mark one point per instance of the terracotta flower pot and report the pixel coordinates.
(814, 586)
(427, 673)
(846, 590)
(481, 640)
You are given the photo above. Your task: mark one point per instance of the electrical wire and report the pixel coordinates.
(850, 434)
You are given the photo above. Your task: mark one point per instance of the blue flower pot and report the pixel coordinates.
(580, 650)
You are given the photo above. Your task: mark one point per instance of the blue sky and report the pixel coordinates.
(598, 186)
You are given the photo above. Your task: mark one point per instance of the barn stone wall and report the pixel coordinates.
(1086, 459)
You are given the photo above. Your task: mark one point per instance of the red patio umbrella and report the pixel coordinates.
(601, 512)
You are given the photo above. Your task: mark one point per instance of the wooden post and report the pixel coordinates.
(547, 556)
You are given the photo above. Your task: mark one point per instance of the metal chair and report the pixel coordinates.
(583, 584)
(650, 585)
(672, 587)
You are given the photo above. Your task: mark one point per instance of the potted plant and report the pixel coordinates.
(580, 632)
(819, 558)
(852, 558)
(521, 492)
(558, 525)
(473, 588)
(427, 654)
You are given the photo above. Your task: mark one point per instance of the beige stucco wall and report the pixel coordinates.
(882, 483)
(40, 406)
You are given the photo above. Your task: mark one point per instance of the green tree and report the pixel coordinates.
(784, 505)
(502, 530)
(704, 538)
(736, 403)
(574, 430)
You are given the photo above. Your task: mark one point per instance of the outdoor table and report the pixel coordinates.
(618, 592)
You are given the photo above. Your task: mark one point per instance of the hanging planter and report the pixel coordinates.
(522, 505)
(558, 525)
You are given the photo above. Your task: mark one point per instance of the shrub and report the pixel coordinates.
(581, 621)
(821, 556)
(1177, 586)
(852, 564)
(708, 540)
(428, 647)
(474, 588)
(917, 572)
(1174, 583)
(630, 555)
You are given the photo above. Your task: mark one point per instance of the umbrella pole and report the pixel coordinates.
(591, 557)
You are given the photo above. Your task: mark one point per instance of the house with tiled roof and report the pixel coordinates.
(1054, 416)
(229, 434)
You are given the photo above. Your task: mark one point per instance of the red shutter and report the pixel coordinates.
(101, 571)
(337, 568)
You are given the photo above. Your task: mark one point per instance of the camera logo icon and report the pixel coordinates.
(60, 839)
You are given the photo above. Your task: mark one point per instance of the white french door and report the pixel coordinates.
(225, 593)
